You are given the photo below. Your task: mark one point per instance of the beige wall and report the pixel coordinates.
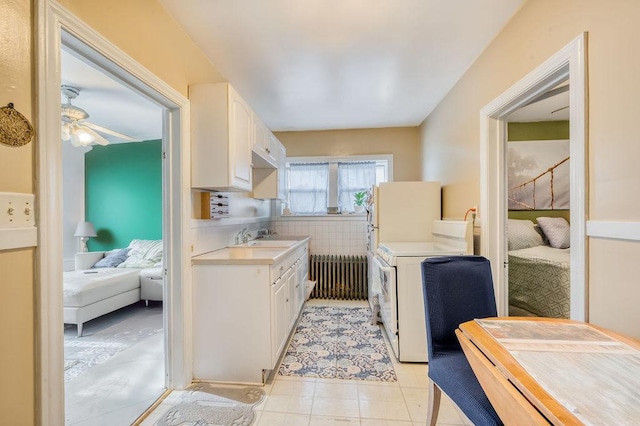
(539, 29)
(402, 142)
(146, 32)
(16, 266)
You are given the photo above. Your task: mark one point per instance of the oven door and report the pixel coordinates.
(386, 276)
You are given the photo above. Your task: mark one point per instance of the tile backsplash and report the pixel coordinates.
(333, 235)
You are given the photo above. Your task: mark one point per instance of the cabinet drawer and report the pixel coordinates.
(278, 269)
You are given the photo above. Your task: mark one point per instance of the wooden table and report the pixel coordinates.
(552, 371)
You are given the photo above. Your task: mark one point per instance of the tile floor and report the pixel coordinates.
(299, 401)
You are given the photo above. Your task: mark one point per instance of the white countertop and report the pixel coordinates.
(249, 255)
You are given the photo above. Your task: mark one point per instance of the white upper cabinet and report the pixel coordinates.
(221, 138)
(263, 157)
(268, 183)
(281, 159)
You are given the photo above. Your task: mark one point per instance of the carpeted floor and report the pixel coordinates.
(208, 404)
(108, 335)
(338, 342)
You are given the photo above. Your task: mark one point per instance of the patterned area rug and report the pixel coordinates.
(338, 342)
(207, 404)
(108, 335)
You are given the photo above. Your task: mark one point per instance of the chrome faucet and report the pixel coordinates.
(242, 236)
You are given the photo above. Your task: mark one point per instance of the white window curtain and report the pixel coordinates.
(354, 177)
(308, 187)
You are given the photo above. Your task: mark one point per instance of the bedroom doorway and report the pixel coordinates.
(569, 64)
(57, 28)
(114, 342)
(538, 206)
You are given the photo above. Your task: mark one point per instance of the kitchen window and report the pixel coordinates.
(308, 187)
(315, 184)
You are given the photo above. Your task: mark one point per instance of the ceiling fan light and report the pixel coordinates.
(66, 135)
(96, 137)
(75, 141)
(81, 136)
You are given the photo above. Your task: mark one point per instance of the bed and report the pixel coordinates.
(88, 294)
(106, 281)
(539, 273)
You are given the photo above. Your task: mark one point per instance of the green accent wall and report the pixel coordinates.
(538, 131)
(123, 193)
(532, 215)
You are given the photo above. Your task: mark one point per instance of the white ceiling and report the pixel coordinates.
(332, 64)
(314, 64)
(550, 109)
(109, 103)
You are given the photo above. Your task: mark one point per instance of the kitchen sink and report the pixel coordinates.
(268, 244)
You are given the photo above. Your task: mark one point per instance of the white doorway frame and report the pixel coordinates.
(56, 26)
(570, 63)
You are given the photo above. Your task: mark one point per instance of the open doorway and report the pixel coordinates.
(538, 203)
(114, 356)
(569, 64)
(57, 28)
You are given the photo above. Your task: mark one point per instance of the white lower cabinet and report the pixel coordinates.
(302, 273)
(243, 316)
(292, 307)
(279, 316)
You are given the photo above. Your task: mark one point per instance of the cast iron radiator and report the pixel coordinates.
(339, 276)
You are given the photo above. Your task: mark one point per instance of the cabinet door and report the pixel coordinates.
(240, 141)
(263, 156)
(272, 148)
(292, 313)
(279, 324)
(281, 159)
(300, 283)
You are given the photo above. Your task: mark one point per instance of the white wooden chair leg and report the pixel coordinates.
(434, 403)
(80, 329)
(146, 302)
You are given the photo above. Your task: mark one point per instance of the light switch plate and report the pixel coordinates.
(16, 210)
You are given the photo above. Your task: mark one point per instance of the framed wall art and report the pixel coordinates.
(538, 175)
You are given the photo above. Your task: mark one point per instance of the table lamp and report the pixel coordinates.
(84, 230)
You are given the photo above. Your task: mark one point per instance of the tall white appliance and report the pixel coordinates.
(400, 212)
(397, 267)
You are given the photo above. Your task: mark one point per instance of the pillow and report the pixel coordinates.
(557, 231)
(545, 241)
(522, 234)
(112, 258)
(143, 254)
(136, 262)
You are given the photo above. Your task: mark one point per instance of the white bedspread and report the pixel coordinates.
(561, 257)
(82, 288)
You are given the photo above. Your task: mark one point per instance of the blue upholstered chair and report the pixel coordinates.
(456, 289)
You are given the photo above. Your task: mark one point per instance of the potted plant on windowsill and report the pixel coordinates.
(359, 200)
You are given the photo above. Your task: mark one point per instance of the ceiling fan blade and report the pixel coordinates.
(108, 131)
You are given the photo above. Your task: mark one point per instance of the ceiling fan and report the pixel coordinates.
(79, 131)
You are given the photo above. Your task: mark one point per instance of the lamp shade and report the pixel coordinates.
(85, 229)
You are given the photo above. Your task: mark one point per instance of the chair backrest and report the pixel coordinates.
(456, 289)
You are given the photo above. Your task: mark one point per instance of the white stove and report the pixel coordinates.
(390, 251)
(397, 266)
